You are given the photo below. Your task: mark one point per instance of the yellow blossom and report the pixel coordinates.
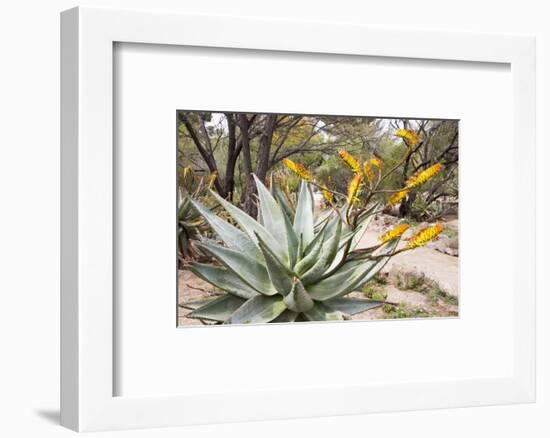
(328, 195)
(367, 170)
(298, 169)
(398, 196)
(353, 188)
(212, 178)
(394, 233)
(424, 176)
(350, 161)
(425, 236)
(376, 162)
(410, 137)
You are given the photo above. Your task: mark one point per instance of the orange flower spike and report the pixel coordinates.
(424, 176)
(350, 161)
(410, 137)
(376, 163)
(298, 169)
(394, 233)
(425, 236)
(367, 170)
(328, 195)
(397, 197)
(354, 188)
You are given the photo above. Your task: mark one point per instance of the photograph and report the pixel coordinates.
(287, 218)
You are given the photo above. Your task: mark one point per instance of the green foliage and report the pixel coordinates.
(412, 280)
(286, 269)
(403, 311)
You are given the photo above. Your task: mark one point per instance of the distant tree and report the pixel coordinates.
(257, 143)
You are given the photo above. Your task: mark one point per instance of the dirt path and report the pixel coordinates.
(440, 267)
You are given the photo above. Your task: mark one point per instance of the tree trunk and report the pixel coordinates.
(262, 164)
(232, 155)
(247, 197)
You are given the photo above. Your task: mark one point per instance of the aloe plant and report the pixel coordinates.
(190, 222)
(283, 269)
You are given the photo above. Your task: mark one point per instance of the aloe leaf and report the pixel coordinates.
(328, 252)
(193, 305)
(350, 277)
(303, 219)
(323, 312)
(355, 236)
(258, 310)
(272, 214)
(316, 237)
(286, 316)
(282, 201)
(232, 236)
(359, 232)
(251, 272)
(322, 218)
(223, 279)
(218, 310)
(279, 275)
(338, 282)
(251, 226)
(184, 207)
(310, 258)
(298, 299)
(352, 306)
(292, 243)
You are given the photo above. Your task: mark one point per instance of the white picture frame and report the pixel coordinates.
(87, 333)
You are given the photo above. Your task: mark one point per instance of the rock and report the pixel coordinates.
(451, 251)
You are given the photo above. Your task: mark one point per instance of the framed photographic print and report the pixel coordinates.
(262, 228)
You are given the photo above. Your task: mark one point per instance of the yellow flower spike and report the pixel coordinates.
(398, 197)
(329, 196)
(425, 236)
(410, 137)
(298, 169)
(353, 188)
(367, 170)
(376, 163)
(394, 233)
(212, 179)
(424, 176)
(350, 161)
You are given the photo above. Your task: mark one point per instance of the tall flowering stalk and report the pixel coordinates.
(298, 169)
(424, 236)
(350, 160)
(424, 176)
(410, 137)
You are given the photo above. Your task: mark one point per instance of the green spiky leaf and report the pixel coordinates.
(286, 316)
(303, 220)
(350, 276)
(353, 306)
(223, 279)
(298, 299)
(258, 310)
(232, 236)
(219, 309)
(278, 273)
(323, 312)
(272, 214)
(309, 258)
(251, 272)
(251, 226)
(326, 256)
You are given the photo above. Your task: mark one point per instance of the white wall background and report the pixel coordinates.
(29, 219)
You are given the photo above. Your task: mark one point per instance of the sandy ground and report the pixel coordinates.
(440, 267)
(435, 265)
